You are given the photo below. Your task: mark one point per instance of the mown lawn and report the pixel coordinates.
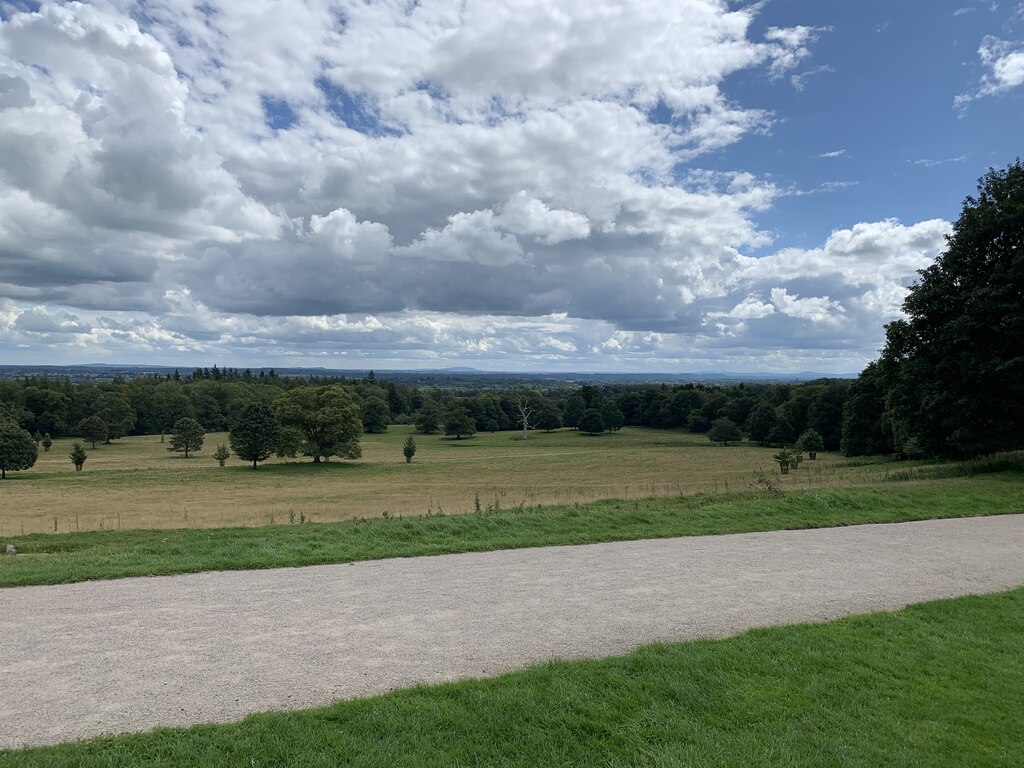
(58, 558)
(939, 684)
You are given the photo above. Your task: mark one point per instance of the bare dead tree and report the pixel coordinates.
(525, 414)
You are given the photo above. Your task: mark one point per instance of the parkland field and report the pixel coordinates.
(136, 482)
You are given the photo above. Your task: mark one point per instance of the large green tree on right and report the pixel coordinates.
(954, 368)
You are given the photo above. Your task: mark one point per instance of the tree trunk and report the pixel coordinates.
(316, 459)
(784, 468)
(408, 459)
(221, 462)
(78, 467)
(812, 455)
(254, 463)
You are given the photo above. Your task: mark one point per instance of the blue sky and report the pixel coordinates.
(576, 185)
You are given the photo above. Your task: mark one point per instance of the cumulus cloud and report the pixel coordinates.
(349, 181)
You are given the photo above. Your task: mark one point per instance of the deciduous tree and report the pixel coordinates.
(187, 437)
(93, 429)
(725, 431)
(17, 448)
(326, 417)
(458, 423)
(955, 366)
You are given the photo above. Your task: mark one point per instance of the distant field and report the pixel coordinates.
(137, 483)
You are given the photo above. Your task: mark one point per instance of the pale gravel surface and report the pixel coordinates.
(81, 660)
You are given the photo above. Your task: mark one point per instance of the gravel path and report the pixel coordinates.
(86, 659)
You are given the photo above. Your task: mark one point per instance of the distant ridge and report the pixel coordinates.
(422, 376)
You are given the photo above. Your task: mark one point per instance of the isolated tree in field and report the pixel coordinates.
(376, 416)
(117, 413)
(17, 448)
(725, 431)
(93, 429)
(428, 418)
(78, 456)
(591, 422)
(954, 368)
(525, 414)
(326, 417)
(47, 442)
(811, 442)
(409, 449)
(222, 454)
(187, 437)
(458, 423)
(254, 433)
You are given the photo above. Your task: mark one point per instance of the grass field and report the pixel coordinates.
(137, 483)
(56, 558)
(938, 684)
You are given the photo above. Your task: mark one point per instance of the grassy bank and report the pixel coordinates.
(938, 684)
(60, 558)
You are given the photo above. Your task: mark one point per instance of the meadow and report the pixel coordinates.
(136, 482)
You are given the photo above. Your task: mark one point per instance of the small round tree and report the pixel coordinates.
(47, 442)
(591, 422)
(458, 423)
(811, 442)
(93, 429)
(409, 449)
(724, 431)
(222, 454)
(17, 448)
(188, 436)
(78, 456)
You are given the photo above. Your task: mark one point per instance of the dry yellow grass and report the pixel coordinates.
(137, 483)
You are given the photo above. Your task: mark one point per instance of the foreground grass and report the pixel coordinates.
(938, 684)
(62, 558)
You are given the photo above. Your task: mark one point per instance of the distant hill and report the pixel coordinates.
(453, 376)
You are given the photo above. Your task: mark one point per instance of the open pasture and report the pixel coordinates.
(137, 483)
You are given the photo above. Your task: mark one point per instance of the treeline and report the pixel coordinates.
(767, 413)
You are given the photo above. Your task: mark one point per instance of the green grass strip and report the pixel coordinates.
(938, 684)
(64, 558)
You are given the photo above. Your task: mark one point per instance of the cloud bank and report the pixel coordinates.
(346, 183)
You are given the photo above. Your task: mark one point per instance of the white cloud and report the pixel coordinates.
(338, 181)
(833, 153)
(1004, 62)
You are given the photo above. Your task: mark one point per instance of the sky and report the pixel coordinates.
(538, 185)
